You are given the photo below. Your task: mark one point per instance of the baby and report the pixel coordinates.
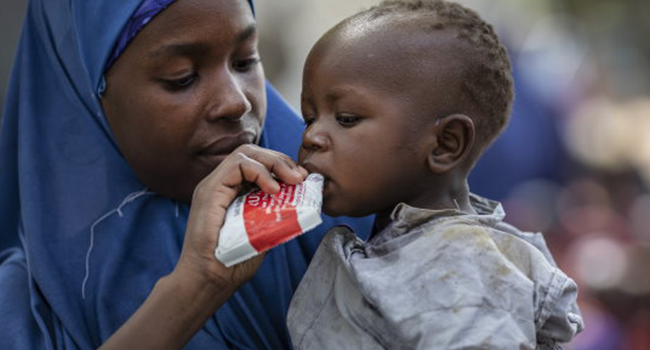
(400, 101)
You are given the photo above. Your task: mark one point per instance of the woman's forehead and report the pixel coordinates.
(149, 9)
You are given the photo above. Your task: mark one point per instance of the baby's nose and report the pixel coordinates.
(314, 139)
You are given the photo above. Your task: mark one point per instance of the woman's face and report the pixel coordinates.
(187, 91)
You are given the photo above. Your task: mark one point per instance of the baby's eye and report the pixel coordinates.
(181, 83)
(308, 119)
(245, 65)
(347, 120)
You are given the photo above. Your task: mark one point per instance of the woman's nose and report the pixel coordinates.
(228, 100)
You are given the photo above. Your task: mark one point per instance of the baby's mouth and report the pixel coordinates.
(311, 168)
(326, 184)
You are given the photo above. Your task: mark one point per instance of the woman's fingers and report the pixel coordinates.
(247, 164)
(258, 173)
(279, 164)
(256, 165)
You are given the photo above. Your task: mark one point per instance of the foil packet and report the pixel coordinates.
(257, 221)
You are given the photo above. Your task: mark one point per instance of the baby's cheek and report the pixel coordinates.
(334, 205)
(301, 154)
(328, 206)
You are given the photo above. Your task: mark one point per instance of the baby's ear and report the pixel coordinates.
(454, 135)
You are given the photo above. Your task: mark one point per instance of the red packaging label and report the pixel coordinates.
(277, 219)
(256, 222)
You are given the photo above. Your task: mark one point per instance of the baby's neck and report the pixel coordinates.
(456, 198)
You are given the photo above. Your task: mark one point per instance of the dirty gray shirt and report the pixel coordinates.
(435, 279)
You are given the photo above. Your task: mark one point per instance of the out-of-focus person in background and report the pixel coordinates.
(582, 108)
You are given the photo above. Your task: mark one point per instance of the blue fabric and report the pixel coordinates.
(74, 218)
(145, 13)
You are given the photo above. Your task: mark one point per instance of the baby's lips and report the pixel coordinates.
(303, 171)
(313, 169)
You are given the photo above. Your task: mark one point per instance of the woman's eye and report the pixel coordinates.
(347, 121)
(245, 65)
(181, 83)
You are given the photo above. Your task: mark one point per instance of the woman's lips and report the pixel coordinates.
(217, 150)
(226, 144)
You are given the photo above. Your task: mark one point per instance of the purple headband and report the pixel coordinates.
(143, 15)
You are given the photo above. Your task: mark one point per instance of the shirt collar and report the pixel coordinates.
(488, 212)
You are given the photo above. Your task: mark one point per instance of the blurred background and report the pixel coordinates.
(574, 162)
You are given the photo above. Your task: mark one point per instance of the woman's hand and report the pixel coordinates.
(182, 301)
(247, 164)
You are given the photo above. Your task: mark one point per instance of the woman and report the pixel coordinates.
(115, 112)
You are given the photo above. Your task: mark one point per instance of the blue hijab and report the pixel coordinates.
(82, 242)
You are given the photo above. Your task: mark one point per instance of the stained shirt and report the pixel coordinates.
(435, 279)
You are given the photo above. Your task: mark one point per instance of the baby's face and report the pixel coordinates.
(367, 125)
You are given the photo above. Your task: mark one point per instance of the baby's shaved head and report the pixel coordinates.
(484, 82)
